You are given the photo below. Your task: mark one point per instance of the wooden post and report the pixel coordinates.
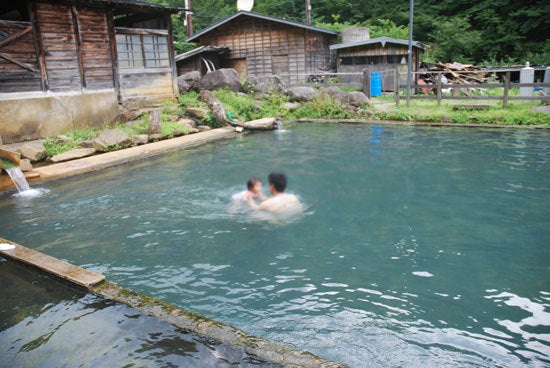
(114, 54)
(39, 46)
(154, 122)
(396, 82)
(171, 56)
(78, 44)
(366, 82)
(506, 90)
(438, 89)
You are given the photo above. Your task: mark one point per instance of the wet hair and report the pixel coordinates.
(252, 181)
(278, 180)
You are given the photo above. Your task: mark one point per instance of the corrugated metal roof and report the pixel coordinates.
(382, 40)
(260, 16)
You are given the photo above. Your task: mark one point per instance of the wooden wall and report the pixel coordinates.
(260, 47)
(19, 69)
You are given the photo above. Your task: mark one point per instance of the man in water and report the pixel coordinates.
(280, 200)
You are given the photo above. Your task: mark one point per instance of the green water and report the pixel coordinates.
(420, 247)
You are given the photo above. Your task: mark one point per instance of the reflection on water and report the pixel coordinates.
(47, 323)
(419, 247)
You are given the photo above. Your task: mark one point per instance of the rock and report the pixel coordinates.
(88, 143)
(264, 85)
(178, 132)
(334, 93)
(61, 139)
(73, 154)
(356, 99)
(187, 122)
(25, 165)
(197, 113)
(203, 128)
(112, 138)
(192, 130)
(290, 106)
(545, 109)
(125, 114)
(221, 78)
(34, 151)
(156, 137)
(301, 94)
(261, 124)
(140, 139)
(189, 81)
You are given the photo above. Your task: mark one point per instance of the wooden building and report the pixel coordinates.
(382, 54)
(203, 59)
(263, 45)
(69, 63)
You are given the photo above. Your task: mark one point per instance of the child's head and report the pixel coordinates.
(254, 185)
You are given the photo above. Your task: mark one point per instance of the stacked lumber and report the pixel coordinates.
(456, 73)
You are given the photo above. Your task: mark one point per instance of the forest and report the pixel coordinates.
(484, 32)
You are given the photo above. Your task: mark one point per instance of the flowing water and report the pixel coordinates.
(419, 247)
(18, 178)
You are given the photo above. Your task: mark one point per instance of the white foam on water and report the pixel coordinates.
(422, 274)
(32, 193)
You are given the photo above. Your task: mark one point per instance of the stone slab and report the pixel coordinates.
(64, 270)
(73, 154)
(114, 158)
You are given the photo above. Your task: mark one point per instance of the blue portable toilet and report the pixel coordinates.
(376, 84)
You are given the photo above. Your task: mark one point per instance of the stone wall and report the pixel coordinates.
(41, 117)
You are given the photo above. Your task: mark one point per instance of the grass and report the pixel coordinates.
(517, 112)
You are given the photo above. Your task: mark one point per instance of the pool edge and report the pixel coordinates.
(266, 350)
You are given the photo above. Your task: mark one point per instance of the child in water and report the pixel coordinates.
(254, 191)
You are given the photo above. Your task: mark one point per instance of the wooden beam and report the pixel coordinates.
(22, 65)
(142, 31)
(114, 53)
(171, 55)
(15, 36)
(39, 46)
(78, 43)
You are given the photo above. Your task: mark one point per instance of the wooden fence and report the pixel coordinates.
(436, 91)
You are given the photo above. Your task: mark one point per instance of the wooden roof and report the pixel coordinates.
(259, 16)
(381, 40)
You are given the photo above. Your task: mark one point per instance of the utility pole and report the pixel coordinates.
(308, 12)
(188, 21)
(409, 67)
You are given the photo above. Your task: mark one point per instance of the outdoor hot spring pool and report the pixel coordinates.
(419, 247)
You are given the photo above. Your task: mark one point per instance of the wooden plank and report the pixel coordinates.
(141, 31)
(39, 47)
(113, 49)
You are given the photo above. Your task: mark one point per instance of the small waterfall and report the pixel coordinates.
(18, 178)
(278, 122)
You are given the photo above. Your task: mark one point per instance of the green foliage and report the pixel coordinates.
(378, 27)
(322, 107)
(56, 146)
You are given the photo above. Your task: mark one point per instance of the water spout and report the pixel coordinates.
(278, 123)
(18, 178)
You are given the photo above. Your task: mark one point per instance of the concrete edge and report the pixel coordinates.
(371, 121)
(110, 159)
(96, 283)
(64, 270)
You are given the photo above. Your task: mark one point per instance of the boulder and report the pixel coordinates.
(61, 139)
(264, 85)
(88, 143)
(334, 93)
(189, 81)
(301, 94)
(291, 106)
(261, 124)
(156, 137)
(221, 78)
(197, 113)
(109, 139)
(178, 132)
(73, 154)
(356, 99)
(140, 139)
(34, 151)
(203, 128)
(25, 165)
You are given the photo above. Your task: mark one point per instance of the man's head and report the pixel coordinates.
(277, 182)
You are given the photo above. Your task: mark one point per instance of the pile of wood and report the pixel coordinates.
(456, 73)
